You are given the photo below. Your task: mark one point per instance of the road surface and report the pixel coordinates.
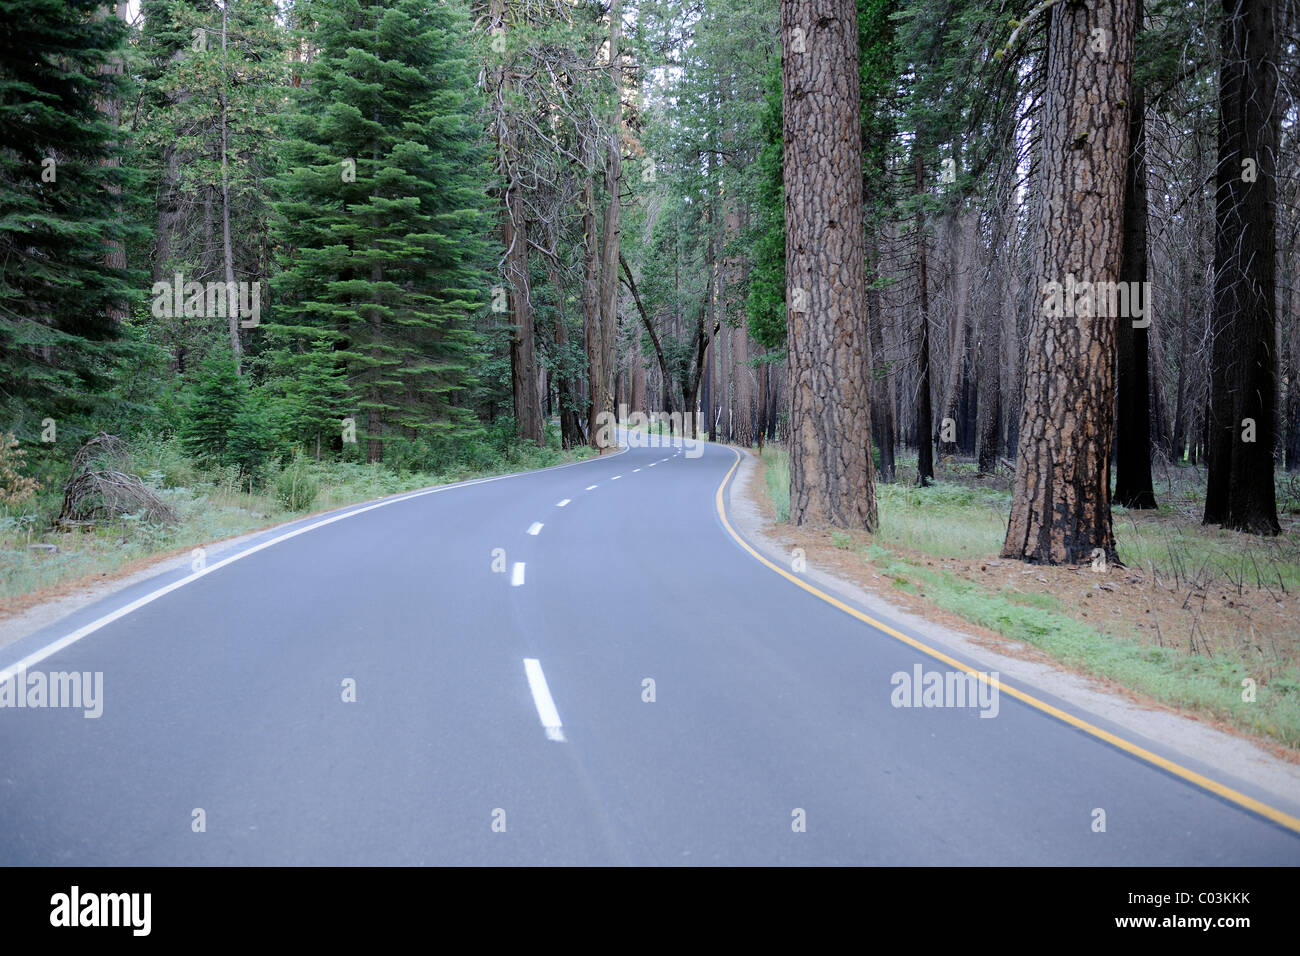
(501, 712)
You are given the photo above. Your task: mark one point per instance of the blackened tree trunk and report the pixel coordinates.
(988, 425)
(1060, 510)
(1133, 488)
(924, 416)
(831, 477)
(882, 419)
(1242, 414)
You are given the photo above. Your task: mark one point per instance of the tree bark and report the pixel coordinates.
(1060, 510)
(924, 416)
(1243, 370)
(604, 399)
(831, 478)
(1133, 488)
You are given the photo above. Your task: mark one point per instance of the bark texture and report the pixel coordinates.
(831, 478)
(1244, 363)
(1060, 512)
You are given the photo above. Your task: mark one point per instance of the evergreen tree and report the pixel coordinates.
(384, 209)
(216, 412)
(62, 210)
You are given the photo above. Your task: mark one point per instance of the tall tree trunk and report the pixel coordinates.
(1060, 511)
(591, 311)
(882, 418)
(1242, 423)
(1133, 487)
(227, 248)
(831, 474)
(967, 226)
(924, 417)
(115, 257)
(570, 433)
(1293, 379)
(523, 333)
(987, 424)
(612, 227)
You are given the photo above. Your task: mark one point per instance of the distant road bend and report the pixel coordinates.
(622, 682)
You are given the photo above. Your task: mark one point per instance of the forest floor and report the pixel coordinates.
(1191, 619)
(41, 563)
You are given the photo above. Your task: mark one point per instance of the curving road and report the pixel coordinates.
(226, 695)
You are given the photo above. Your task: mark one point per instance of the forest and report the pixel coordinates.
(264, 255)
(652, 432)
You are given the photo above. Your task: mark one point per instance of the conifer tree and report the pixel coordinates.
(383, 210)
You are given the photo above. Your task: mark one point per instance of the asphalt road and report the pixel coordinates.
(226, 695)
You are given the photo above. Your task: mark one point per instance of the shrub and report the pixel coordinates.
(15, 487)
(295, 487)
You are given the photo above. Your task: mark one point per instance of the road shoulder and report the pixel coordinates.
(1218, 752)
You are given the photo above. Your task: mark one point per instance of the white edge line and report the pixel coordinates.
(35, 657)
(542, 700)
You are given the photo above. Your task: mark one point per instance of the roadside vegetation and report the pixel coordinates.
(208, 501)
(1193, 612)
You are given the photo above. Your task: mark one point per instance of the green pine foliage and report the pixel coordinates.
(224, 421)
(63, 209)
(382, 210)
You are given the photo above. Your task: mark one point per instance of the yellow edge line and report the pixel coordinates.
(1250, 803)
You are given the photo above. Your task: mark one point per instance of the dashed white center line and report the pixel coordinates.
(517, 574)
(663, 459)
(589, 487)
(535, 528)
(561, 504)
(635, 470)
(542, 699)
(616, 478)
(652, 464)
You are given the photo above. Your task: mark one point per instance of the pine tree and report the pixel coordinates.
(62, 211)
(383, 210)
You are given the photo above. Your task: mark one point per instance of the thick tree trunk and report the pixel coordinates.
(1242, 424)
(831, 478)
(1060, 511)
(1133, 487)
